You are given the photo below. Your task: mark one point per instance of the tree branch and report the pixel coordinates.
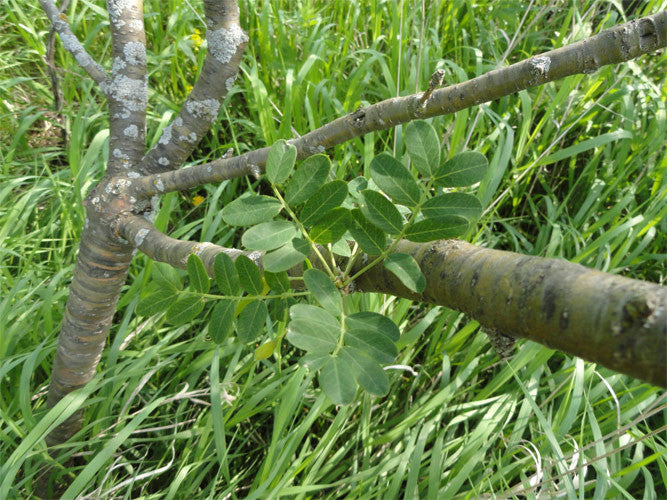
(615, 45)
(226, 42)
(73, 46)
(615, 321)
(128, 91)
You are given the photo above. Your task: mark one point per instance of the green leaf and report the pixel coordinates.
(423, 147)
(225, 275)
(278, 282)
(185, 309)
(280, 162)
(287, 256)
(156, 301)
(449, 226)
(337, 381)
(251, 210)
(249, 276)
(405, 267)
(326, 198)
(314, 361)
(323, 289)
(165, 276)
(371, 239)
(381, 212)
(307, 179)
(222, 320)
(367, 372)
(265, 350)
(357, 185)
(374, 344)
(462, 169)
(461, 204)
(331, 227)
(269, 235)
(374, 322)
(250, 322)
(199, 280)
(394, 179)
(312, 329)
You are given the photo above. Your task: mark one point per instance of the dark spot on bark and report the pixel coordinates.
(549, 303)
(474, 279)
(647, 36)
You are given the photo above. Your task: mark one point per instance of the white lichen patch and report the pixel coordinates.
(163, 161)
(140, 236)
(118, 64)
(166, 135)
(222, 43)
(136, 24)
(178, 121)
(198, 248)
(159, 185)
(205, 110)
(135, 53)
(133, 175)
(541, 65)
(116, 8)
(229, 82)
(131, 131)
(117, 153)
(130, 92)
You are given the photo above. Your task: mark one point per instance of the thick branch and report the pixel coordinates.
(226, 41)
(611, 46)
(73, 46)
(128, 91)
(617, 322)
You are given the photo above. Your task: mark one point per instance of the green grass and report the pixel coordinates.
(577, 171)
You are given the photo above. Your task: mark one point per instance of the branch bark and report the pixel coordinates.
(611, 46)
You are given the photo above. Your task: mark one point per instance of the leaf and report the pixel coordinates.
(374, 322)
(331, 227)
(337, 381)
(357, 185)
(278, 282)
(323, 289)
(381, 212)
(225, 275)
(371, 239)
(423, 146)
(462, 169)
(307, 179)
(249, 276)
(326, 198)
(374, 344)
(269, 235)
(367, 372)
(199, 280)
(250, 210)
(405, 267)
(287, 256)
(165, 276)
(184, 309)
(449, 226)
(314, 361)
(461, 204)
(222, 320)
(156, 301)
(312, 329)
(394, 179)
(280, 161)
(250, 322)
(265, 350)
